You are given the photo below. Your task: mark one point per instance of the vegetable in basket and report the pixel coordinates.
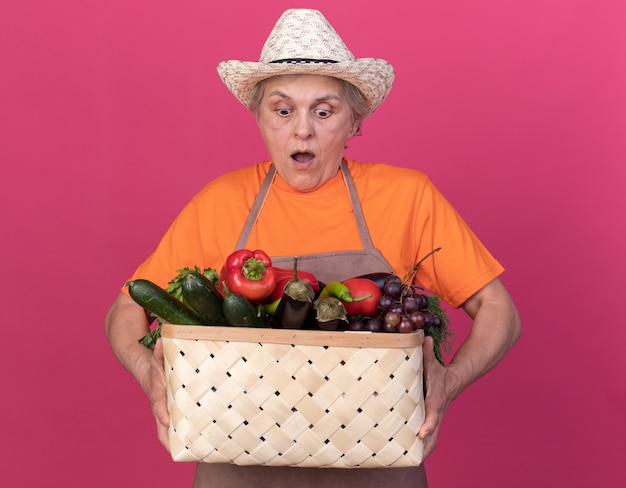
(239, 311)
(284, 275)
(296, 302)
(342, 292)
(367, 307)
(330, 314)
(204, 298)
(249, 274)
(161, 304)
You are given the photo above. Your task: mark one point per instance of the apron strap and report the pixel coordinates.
(364, 234)
(253, 215)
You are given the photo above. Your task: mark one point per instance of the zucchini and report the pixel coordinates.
(162, 304)
(239, 312)
(203, 298)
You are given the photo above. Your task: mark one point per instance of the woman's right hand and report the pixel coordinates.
(155, 388)
(125, 323)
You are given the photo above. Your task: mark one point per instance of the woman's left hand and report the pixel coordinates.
(437, 380)
(495, 328)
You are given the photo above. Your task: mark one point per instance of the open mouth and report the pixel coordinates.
(302, 157)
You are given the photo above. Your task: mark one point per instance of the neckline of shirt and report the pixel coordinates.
(332, 188)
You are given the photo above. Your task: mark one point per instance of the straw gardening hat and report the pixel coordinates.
(303, 42)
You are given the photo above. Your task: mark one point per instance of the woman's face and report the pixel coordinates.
(305, 121)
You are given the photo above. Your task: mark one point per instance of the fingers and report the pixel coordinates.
(433, 400)
(431, 422)
(159, 409)
(157, 353)
(430, 428)
(162, 434)
(158, 394)
(431, 417)
(428, 350)
(429, 445)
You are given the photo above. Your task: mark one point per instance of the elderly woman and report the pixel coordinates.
(310, 95)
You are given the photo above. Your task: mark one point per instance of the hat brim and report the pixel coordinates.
(373, 76)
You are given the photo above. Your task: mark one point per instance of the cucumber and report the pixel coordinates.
(239, 312)
(161, 303)
(203, 298)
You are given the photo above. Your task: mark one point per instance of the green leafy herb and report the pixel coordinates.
(149, 340)
(442, 336)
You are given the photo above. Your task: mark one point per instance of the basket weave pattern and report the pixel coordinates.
(304, 405)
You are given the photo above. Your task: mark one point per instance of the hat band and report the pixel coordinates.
(304, 61)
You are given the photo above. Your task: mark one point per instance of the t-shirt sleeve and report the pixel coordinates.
(179, 247)
(206, 230)
(463, 265)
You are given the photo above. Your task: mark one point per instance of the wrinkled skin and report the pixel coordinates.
(305, 122)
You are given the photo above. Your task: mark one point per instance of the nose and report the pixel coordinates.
(303, 128)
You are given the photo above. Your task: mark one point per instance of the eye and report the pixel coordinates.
(323, 113)
(283, 112)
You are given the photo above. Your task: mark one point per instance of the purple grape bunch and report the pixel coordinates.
(402, 308)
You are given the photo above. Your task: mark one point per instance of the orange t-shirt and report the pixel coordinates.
(406, 215)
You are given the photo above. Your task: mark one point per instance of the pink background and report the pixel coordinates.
(112, 116)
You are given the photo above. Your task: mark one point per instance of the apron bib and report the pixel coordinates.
(326, 267)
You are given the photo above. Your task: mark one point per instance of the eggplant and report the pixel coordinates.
(295, 304)
(331, 314)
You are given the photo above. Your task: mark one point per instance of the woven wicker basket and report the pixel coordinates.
(294, 397)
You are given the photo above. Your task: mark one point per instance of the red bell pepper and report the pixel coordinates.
(279, 289)
(248, 273)
(284, 276)
(287, 274)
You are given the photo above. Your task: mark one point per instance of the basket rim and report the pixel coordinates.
(293, 336)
